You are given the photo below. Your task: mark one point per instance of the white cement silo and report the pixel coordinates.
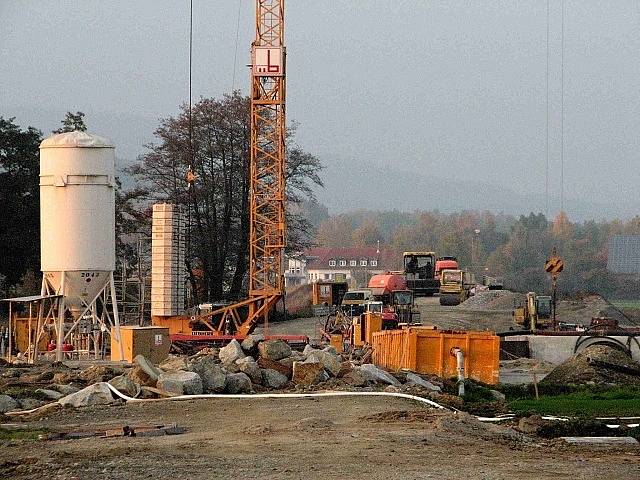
(77, 218)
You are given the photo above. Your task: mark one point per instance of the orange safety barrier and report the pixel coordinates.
(429, 351)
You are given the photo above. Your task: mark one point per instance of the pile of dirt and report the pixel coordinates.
(596, 365)
(582, 309)
(493, 300)
(458, 424)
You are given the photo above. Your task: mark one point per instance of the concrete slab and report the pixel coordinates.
(557, 349)
(600, 441)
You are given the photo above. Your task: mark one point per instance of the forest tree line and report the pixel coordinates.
(512, 248)
(213, 144)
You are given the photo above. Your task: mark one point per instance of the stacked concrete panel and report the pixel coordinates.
(167, 260)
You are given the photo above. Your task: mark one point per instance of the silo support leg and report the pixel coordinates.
(116, 315)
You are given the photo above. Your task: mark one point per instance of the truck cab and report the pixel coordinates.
(354, 301)
(391, 289)
(419, 271)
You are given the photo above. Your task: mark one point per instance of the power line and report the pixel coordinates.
(190, 76)
(235, 53)
(547, 140)
(562, 109)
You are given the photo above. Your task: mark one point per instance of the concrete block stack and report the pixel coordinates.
(168, 249)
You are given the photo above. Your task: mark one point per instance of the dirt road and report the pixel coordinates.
(290, 439)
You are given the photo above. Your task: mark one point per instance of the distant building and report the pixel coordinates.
(624, 254)
(354, 265)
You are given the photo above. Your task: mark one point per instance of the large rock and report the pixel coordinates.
(265, 363)
(174, 362)
(252, 370)
(49, 394)
(331, 363)
(248, 359)
(273, 378)
(345, 367)
(238, 383)
(208, 351)
(7, 404)
(355, 378)
(307, 373)
(139, 376)
(147, 367)
(66, 389)
(98, 373)
(274, 349)
(96, 394)
(231, 352)
(31, 403)
(66, 377)
(125, 385)
(213, 378)
(308, 350)
(377, 375)
(499, 396)
(250, 344)
(421, 382)
(181, 383)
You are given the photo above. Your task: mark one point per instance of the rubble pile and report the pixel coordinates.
(253, 366)
(596, 365)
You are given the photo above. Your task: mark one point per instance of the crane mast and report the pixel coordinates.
(267, 226)
(267, 164)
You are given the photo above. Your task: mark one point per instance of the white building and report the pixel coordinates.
(354, 265)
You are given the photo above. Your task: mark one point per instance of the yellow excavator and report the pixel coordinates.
(535, 313)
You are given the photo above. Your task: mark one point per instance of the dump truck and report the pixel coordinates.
(391, 289)
(419, 272)
(535, 313)
(455, 286)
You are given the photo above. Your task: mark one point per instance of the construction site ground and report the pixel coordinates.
(489, 310)
(376, 438)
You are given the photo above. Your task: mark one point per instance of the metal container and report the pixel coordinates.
(77, 215)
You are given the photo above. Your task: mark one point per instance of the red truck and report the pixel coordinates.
(391, 289)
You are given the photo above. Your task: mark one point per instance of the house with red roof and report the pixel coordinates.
(353, 264)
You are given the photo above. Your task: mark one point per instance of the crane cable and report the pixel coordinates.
(235, 53)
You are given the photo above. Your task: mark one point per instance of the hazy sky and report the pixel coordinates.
(453, 89)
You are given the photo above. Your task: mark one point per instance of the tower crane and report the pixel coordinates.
(267, 231)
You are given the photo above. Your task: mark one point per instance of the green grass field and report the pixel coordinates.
(621, 402)
(626, 303)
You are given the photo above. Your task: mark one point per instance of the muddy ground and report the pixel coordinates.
(372, 438)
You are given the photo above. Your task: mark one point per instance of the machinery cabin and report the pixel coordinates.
(328, 292)
(535, 313)
(391, 289)
(419, 270)
(455, 286)
(445, 263)
(354, 301)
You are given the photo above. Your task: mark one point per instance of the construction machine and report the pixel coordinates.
(354, 301)
(391, 289)
(267, 225)
(419, 271)
(455, 286)
(445, 263)
(535, 313)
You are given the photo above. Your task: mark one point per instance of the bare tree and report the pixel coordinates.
(215, 148)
